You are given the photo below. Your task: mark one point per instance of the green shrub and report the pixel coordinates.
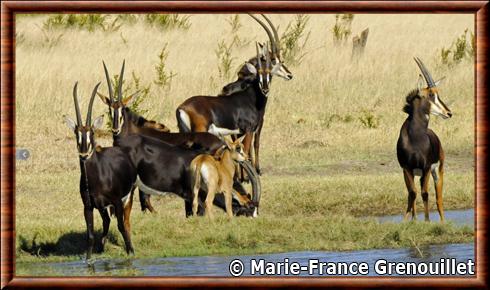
(90, 22)
(342, 28)
(225, 60)
(460, 49)
(369, 119)
(168, 21)
(294, 39)
(164, 77)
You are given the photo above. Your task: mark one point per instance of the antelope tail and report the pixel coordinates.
(195, 176)
(183, 121)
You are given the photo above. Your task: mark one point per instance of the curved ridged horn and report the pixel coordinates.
(88, 122)
(425, 73)
(77, 107)
(259, 63)
(109, 84)
(271, 38)
(267, 59)
(276, 36)
(119, 85)
(254, 178)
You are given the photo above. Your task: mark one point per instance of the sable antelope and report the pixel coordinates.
(239, 112)
(418, 148)
(246, 76)
(106, 179)
(216, 176)
(126, 123)
(161, 168)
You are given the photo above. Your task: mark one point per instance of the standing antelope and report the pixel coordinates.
(106, 179)
(239, 111)
(418, 148)
(216, 176)
(127, 123)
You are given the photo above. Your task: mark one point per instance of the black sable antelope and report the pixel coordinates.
(241, 106)
(126, 123)
(106, 179)
(418, 148)
(161, 168)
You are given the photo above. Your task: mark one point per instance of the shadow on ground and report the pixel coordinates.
(69, 244)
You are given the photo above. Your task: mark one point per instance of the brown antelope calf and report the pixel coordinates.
(215, 176)
(418, 148)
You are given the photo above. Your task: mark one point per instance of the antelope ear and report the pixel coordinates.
(240, 140)
(227, 139)
(126, 101)
(265, 50)
(439, 81)
(251, 68)
(98, 122)
(261, 49)
(70, 123)
(104, 99)
(420, 83)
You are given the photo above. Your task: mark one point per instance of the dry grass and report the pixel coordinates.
(313, 146)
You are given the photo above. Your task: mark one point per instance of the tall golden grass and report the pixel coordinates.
(324, 84)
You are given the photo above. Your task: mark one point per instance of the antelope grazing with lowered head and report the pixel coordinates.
(238, 111)
(127, 123)
(216, 176)
(418, 148)
(106, 179)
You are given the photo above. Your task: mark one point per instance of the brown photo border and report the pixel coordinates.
(8, 10)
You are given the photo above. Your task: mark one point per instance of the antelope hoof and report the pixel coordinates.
(130, 251)
(90, 261)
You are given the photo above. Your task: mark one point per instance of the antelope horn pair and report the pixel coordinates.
(109, 84)
(274, 39)
(425, 72)
(90, 105)
(267, 57)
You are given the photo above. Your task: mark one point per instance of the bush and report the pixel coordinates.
(225, 60)
(369, 119)
(164, 77)
(460, 49)
(90, 22)
(342, 28)
(294, 39)
(168, 21)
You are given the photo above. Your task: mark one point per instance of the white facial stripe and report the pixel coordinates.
(80, 138)
(278, 70)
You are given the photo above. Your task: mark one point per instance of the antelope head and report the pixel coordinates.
(84, 133)
(246, 77)
(430, 93)
(235, 147)
(277, 66)
(116, 104)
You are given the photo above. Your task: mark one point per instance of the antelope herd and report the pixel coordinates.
(218, 135)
